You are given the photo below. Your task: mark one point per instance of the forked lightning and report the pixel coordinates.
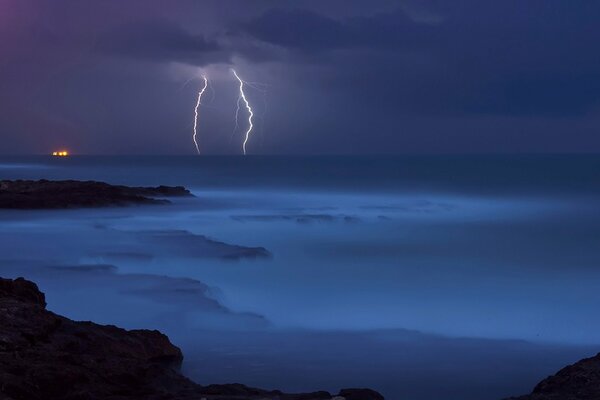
(198, 103)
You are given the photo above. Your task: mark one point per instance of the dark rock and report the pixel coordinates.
(44, 356)
(360, 394)
(237, 390)
(44, 194)
(193, 245)
(22, 290)
(159, 191)
(580, 381)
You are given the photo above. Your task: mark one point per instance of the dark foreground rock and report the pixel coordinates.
(44, 356)
(580, 381)
(44, 194)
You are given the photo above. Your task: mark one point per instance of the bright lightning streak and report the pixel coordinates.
(237, 113)
(196, 112)
(250, 112)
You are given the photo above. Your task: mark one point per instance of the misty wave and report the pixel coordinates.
(168, 301)
(6, 166)
(299, 218)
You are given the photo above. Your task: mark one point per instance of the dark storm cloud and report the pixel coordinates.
(502, 58)
(539, 31)
(161, 41)
(309, 31)
(299, 29)
(343, 76)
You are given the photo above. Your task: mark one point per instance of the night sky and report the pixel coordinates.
(341, 76)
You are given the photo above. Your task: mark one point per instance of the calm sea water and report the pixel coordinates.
(433, 277)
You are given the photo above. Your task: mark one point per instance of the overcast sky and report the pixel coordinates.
(336, 76)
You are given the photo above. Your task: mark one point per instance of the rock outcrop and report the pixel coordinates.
(580, 381)
(44, 194)
(44, 356)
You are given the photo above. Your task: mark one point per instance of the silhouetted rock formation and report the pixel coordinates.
(580, 381)
(44, 356)
(44, 194)
(360, 394)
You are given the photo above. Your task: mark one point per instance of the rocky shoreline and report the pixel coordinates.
(45, 194)
(44, 356)
(580, 381)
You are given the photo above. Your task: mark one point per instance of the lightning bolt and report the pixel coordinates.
(200, 93)
(250, 112)
(237, 113)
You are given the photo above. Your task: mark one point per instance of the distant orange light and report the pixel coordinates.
(62, 153)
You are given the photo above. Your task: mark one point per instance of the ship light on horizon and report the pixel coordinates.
(62, 153)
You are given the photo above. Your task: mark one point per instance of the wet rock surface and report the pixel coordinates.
(44, 194)
(47, 356)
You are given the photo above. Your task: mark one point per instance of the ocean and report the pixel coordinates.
(422, 277)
